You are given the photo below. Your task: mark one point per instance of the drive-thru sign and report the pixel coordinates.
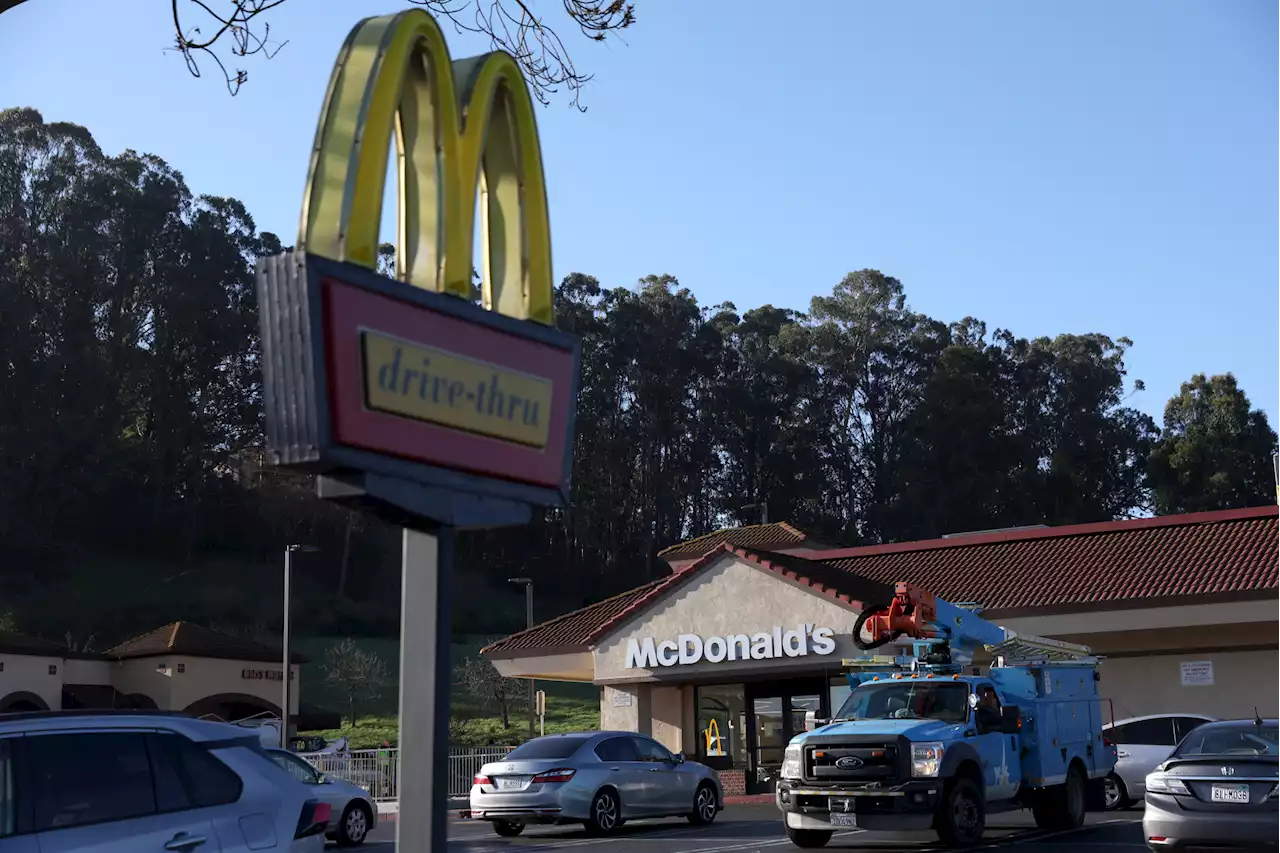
(402, 394)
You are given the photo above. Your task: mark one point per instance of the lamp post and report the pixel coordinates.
(288, 652)
(527, 583)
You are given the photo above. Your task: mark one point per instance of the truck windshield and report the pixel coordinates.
(907, 700)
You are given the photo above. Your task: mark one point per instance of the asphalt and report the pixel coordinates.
(757, 828)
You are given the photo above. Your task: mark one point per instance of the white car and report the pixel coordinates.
(1141, 744)
(137, 782)
(353, 814)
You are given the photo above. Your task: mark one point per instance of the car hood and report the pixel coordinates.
(342, 785)
(915, 730)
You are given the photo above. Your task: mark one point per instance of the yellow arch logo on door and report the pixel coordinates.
(459, 127)
(714, 745)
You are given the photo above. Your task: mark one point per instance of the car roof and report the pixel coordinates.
(72, 721)
(1248, 721)
(1168, 716)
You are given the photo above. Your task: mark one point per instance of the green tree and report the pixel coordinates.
(1215, 452)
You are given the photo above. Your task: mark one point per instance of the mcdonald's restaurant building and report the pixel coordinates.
(722, 657)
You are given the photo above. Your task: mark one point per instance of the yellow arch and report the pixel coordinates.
(459, 126)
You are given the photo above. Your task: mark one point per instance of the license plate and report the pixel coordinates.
(844, 819)
(512, 783)
(1229, 794)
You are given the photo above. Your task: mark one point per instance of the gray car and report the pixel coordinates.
(352, 813)
(1141, 744)
(1218, 789)
(599, 779)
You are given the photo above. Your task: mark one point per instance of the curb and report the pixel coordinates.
(744, 799)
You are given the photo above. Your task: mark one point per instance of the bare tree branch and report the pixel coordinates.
(511, 25)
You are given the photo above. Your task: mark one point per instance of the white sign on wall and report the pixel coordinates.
(621, 699)
(686, 649)
(1197, 673)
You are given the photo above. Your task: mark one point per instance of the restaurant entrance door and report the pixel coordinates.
(776, 712)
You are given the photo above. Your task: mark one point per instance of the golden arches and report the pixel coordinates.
(458, 126)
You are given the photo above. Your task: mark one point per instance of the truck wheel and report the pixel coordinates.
(809, 838)
(1062, 806)
(962, 815)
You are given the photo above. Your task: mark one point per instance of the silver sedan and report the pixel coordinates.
(600, 779)
(352, 815)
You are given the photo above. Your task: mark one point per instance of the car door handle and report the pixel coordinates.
(613, 769)
(183, 841)
(655, 769)
(1122, 754)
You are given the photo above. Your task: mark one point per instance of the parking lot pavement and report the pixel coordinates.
(758, 829)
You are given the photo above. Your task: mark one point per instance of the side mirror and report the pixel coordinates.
(812, 721)
(1010, 720)
(678, 758)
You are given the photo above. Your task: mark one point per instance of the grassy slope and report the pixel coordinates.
(570, 707)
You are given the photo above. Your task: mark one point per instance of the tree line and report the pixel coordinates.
(131, 423)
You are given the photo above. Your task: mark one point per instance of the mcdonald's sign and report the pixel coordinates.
(407, 381)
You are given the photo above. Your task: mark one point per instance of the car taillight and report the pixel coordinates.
(482, 779)
(314, 819)
(560, 774)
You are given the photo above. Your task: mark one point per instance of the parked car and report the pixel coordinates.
(352, 813)
(138, 782)
(1142, 743)
(600, 779)
(1218, 789)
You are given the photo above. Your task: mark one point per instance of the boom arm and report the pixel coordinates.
(916, 613)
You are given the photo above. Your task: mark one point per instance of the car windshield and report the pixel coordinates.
(907, 700)
(560, 746)
(1229, 739)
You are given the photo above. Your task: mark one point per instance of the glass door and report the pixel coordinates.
(777, 715)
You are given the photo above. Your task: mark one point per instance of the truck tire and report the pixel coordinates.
(809, 838)
(962, 814)
(1062, 806)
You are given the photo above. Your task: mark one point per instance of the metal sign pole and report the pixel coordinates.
(426, 590)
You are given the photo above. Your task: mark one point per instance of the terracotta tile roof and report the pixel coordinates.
(1196, 554)
(778, 534)
(1180, 555)
(184, 638)
(578, 630)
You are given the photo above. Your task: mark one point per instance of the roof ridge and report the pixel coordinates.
(1030, 535)
(173, 635)
(785, 525)
(140, 636)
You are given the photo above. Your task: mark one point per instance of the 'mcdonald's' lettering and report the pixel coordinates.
(458, 126)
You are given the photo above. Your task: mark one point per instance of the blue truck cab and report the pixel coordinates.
(935, 747)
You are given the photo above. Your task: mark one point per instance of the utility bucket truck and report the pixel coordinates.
(928, 741)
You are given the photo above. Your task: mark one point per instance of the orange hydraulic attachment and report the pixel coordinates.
(910, 613)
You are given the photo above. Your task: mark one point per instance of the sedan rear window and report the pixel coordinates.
(559, 746)
(1229, 739)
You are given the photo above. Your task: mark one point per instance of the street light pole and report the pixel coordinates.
(527, 583)
(287, 671)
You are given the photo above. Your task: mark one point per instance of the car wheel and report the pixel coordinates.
(704, 806)
(507, 829)
(809, 838)
(1114, 795)
(606, 812)
(354, 826)
(962, 815)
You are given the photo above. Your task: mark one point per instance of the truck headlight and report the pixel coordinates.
(791, 763)
(926, 759)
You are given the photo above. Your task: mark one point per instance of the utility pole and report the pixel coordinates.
(527, 583)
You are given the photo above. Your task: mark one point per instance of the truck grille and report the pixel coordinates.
(848, 759)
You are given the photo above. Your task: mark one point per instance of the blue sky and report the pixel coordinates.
(1047, 167)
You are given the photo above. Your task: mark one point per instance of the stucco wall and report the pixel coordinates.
(1152, 684)
(667, 708)
(204, 677)
(141, 676)
(30, 674)
(625, 708)
(86, 671)
(729, 597)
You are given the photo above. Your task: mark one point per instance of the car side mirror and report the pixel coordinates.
(322, 779)
(1010, 720)
(812, 721)
(678, 758)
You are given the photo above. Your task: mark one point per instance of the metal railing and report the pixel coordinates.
(376, 770)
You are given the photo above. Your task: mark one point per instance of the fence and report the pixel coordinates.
(376, 770)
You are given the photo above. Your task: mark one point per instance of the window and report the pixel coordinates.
(295, 767)
(722, 726)
(207, 781)
(908, 700)
(89, 778)
(617, 749)
(651, 750)
(1183, 726)
(1224, 739)
(53, 669)
(8, 807)
(1157, 731)
(555, 746)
